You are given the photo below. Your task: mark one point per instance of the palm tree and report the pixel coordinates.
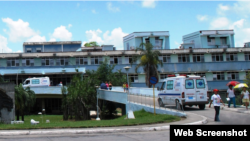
(91, 44)
(24, 99)
(149, 60)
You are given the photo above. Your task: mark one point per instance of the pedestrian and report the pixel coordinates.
(107, 84)
(245, 97)
(103, 86)
(231, 96)
(127, 86)
(216, 102)
(60, 84)
(124, 86)
(110, 85)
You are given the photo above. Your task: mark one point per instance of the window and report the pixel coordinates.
(165, 59)
(47, 61)
(127, 46)
(189, 84)
(232, 56)
(27, 62)
(158, 43)
(115, 60)
(62, 61)
(13, 62)
(96, 60)
(233, 76)
(81, 61)
(35, 81)
(38, 50)
(163, 76)
(217, 57)
(28, 50)
(223, 40)
(247, 56)
(200, 74)
(211, 41)
(147, 40)
(128, 59)
(133, 78)
(198, 57)
(183, 58)
(200, 83)
(218, 76)
(170, 85)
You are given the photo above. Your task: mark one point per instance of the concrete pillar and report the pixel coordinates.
(124, 109)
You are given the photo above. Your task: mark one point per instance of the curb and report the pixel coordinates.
(92, 131)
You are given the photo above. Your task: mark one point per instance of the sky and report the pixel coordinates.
(107, 22)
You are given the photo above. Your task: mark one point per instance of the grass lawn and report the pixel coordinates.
(141, 117)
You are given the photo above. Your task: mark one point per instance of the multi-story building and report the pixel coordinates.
(159, 39)
(58, 60)
(209, 39)
(247, 44)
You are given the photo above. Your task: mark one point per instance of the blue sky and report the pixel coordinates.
(108, 21)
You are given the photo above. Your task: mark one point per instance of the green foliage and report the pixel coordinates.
(25, 99)
(81, 93)
(91, 44)
(149, 60)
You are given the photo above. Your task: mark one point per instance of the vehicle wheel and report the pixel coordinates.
(202, 106)
(160, 103)
(190, 105)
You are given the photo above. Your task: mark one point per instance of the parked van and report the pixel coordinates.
(184, 90)
(36, 82)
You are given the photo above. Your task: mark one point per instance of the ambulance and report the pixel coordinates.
(37, 82)
(183, 90)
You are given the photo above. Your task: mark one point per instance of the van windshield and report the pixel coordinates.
(189, 84)
(200, 84)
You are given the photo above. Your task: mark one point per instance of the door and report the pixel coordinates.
(26, 83)
(190, 91)
(201, 90)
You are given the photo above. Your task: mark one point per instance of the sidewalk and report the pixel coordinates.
(192, 119)
(239, 108)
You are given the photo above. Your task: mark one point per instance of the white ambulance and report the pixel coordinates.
(184, 90)
(37, 82)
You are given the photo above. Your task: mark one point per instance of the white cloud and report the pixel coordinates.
(18, 30)
(222, 9)
(148, 3)
(3, 45)
(202, 18)
(175, 42)
(93, 11)
(62, 34)
(220, 23)
(115, 37)
(37, 38)
(112, 8)
(70, 25)
(78, 4)
(238, 24)
(19, 51)
(52, 40)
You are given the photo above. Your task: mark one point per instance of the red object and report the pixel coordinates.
(234, 83)
(171, 75)
(61, 82)
(183, 95)
(216, 90)
(182, 75)
(126, 85)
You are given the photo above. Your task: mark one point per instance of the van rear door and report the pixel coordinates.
(201, 89)
(190, 91)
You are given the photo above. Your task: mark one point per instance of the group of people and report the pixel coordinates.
(216, 99)
(125, 87)
(106, 85)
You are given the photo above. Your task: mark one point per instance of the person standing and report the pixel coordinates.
(127, 86)
(103, 86)
(216, 102)
(245, 97)
(231, 96)
(124, 86)
(110, 85)
(107, 84)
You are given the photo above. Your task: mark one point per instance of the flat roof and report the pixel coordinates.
(145, 32)
(52, 43)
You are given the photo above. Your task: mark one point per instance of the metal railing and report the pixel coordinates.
(148, 100)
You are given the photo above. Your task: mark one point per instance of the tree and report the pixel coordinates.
(149, 60)
(24, 100)
(91, 44)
